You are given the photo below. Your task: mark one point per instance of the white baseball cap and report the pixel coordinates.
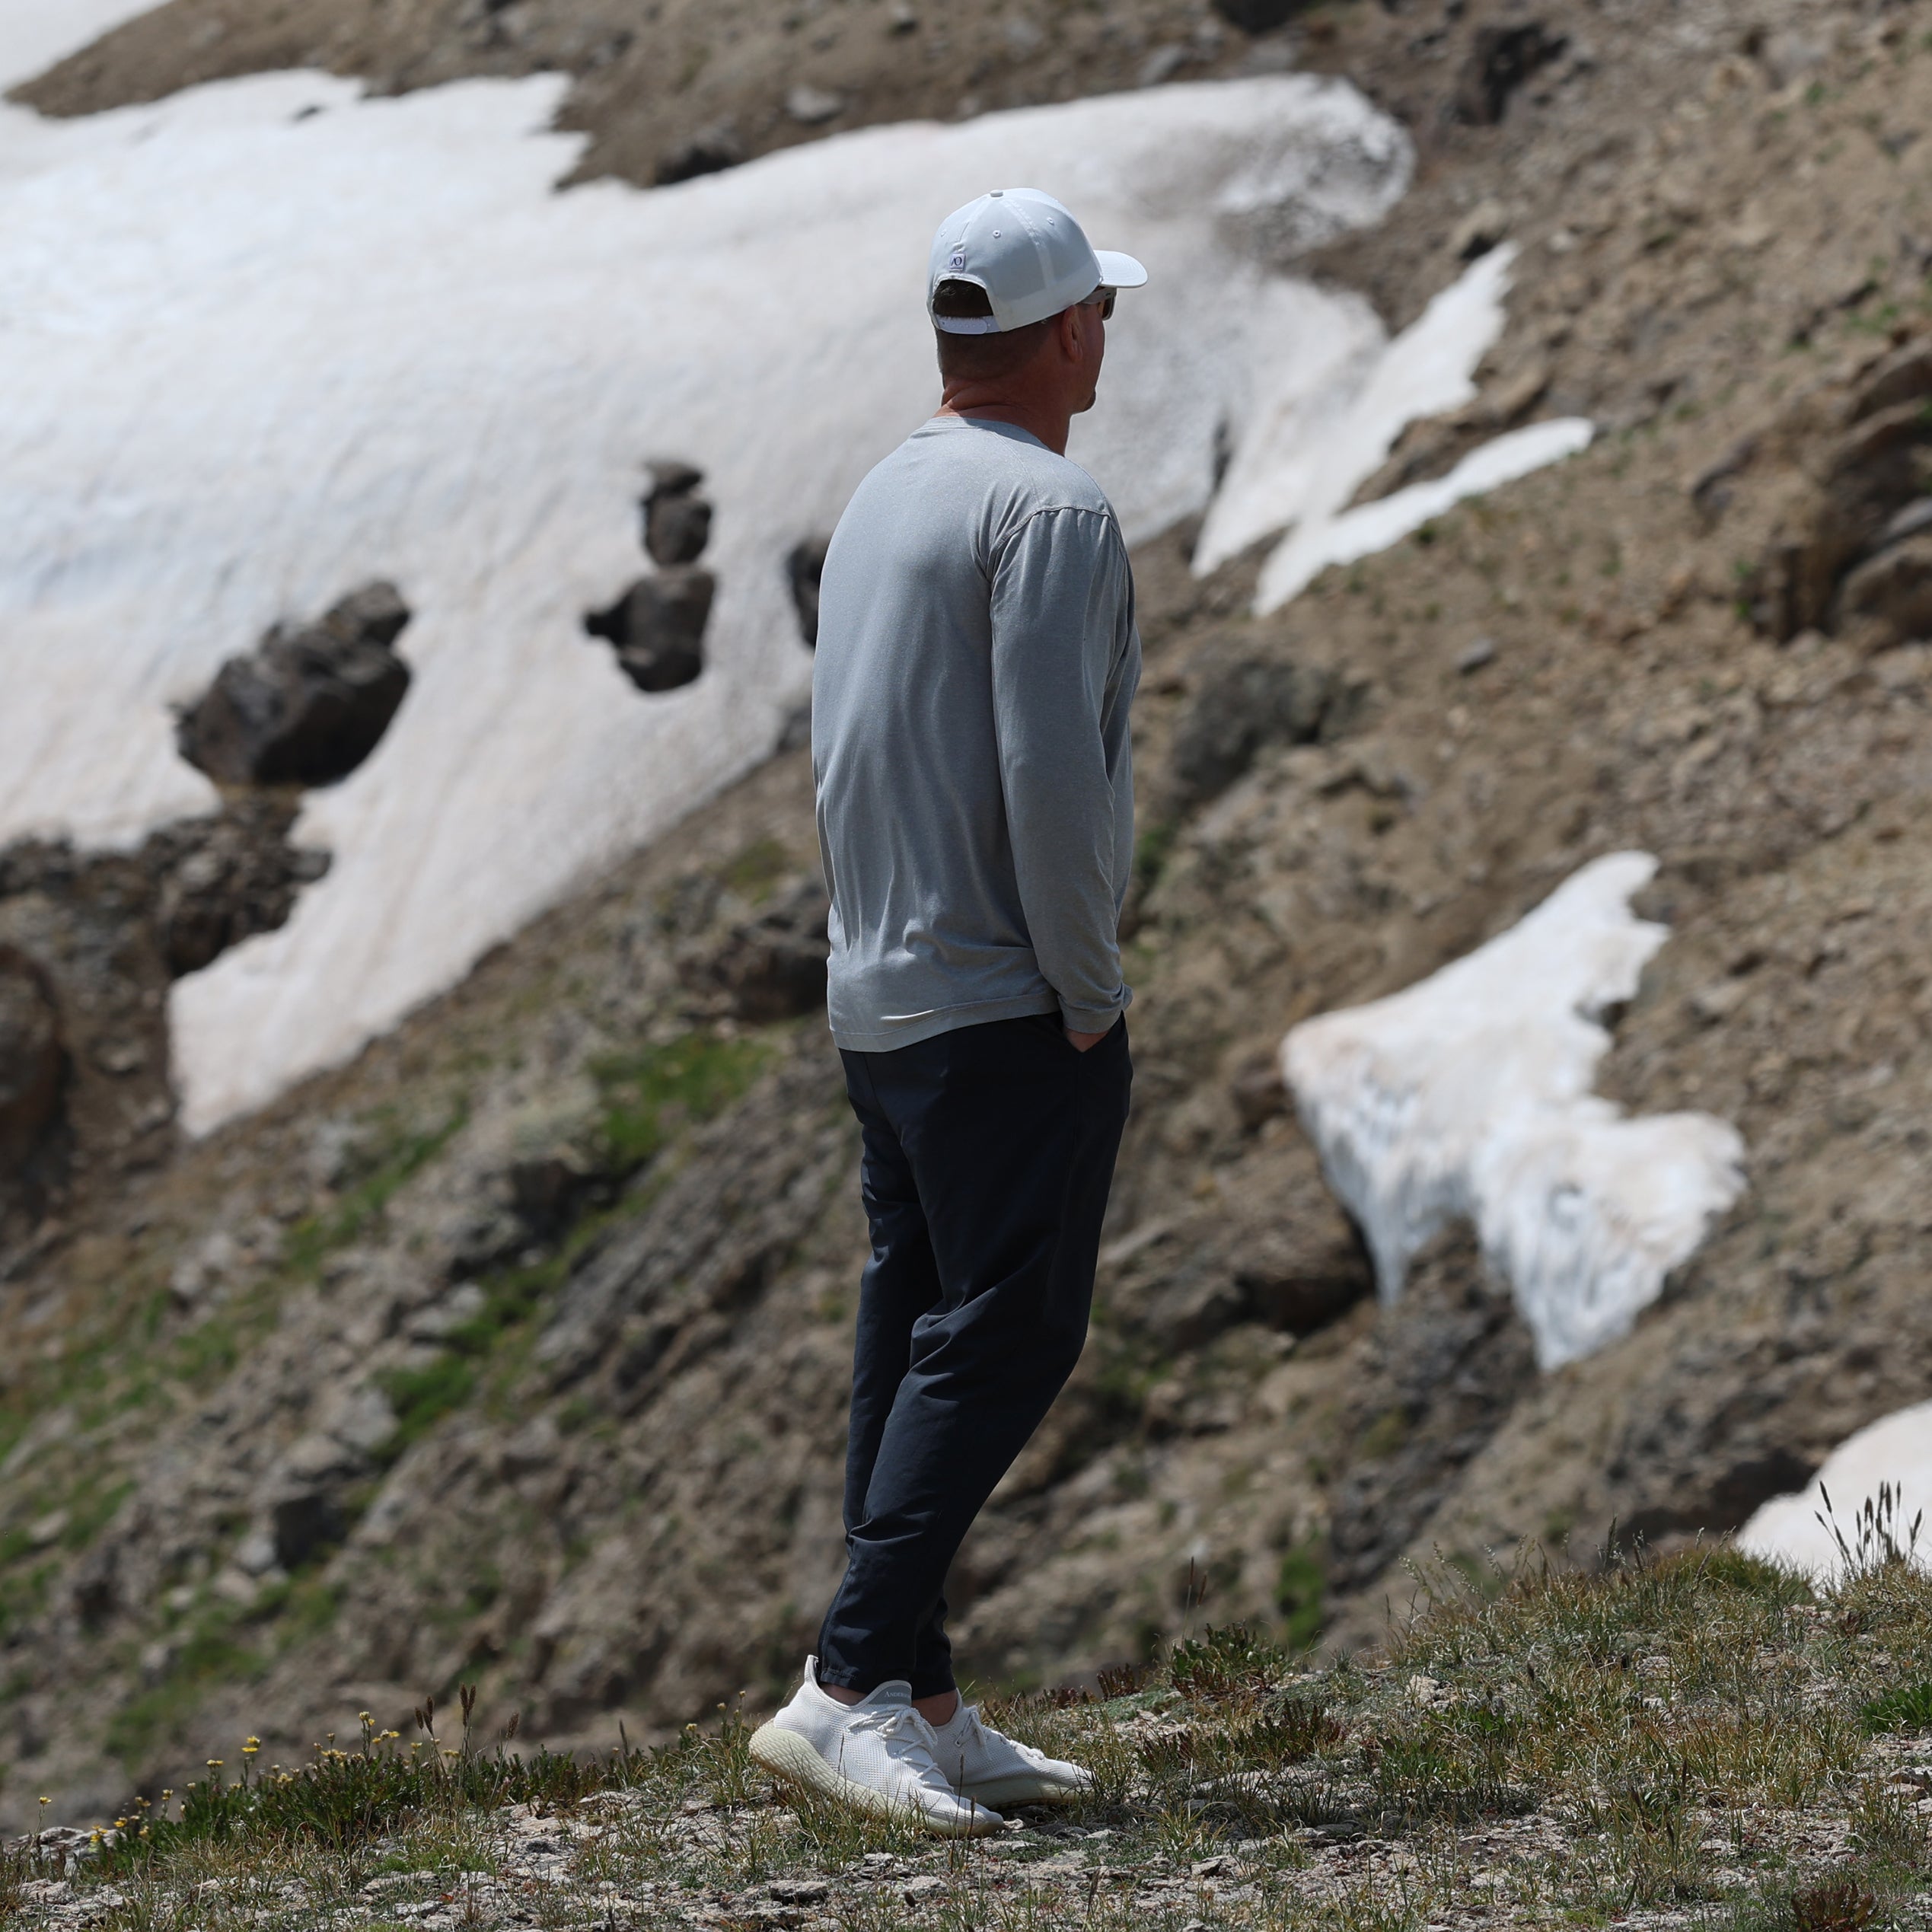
(1030, 255)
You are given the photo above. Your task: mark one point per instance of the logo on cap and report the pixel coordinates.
(958, 259)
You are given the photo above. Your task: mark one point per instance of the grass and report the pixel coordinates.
(1701, 1737)
(647, 1095)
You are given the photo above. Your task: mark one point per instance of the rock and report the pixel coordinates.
(33, 1062)
(1163, 64)
(1479, 230)
(811, 106)
(1864, 494)
(1257, 16)
(304, 1524)
(1482, 652)
(1909, 522)
(804, 565)
(1499, 60)
(1245, 698)
(311, 703)
(1430, 1387)
(223, 879)
(676, 520)
(1892, 590)
(657, 627)
(710, 151)
(1258, 1092)
(1905, 376)
(795, 735)
(773, 967)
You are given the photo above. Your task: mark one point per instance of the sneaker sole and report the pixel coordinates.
(1022, 1791)
(786, 1754)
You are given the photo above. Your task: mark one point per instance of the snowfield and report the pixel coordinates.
(269, 340)
(1468, 1097)
(1894, 1453)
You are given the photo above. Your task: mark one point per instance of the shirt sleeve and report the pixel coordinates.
(1062, 609)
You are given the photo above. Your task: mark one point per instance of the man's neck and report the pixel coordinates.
(1051, 427)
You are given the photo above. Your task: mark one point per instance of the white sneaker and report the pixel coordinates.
(875, 1755)
(986, 1768)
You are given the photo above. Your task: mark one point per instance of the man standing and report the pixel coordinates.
(977, 658)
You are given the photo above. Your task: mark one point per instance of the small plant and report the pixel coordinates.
(1907, 1708)
(1122, 1680)
(1223, 1663)
(1878, 1541)
(1834, 1905)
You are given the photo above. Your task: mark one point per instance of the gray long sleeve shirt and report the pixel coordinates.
(977, 658)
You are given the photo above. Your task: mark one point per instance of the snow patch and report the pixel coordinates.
(259, 353)
(1295, 563)
(1322, 430)
(1467, 1097)
(35, 34)
(1894, 1451)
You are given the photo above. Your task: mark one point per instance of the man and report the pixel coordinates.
(977, 658)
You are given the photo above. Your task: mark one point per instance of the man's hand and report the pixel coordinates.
(1082, 1041)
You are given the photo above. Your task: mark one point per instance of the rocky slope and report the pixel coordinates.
(516, 1350)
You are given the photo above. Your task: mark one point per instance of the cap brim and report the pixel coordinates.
(1119, 271)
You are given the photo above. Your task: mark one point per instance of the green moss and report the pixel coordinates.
(1151, 850)
(648, 1093)
(1299, 1587)
(91, 1511)
(759, 865)
(1907, 1708)
(1384, 1435)
(423, 1397)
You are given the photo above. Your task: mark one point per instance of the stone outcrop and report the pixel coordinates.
(32, 1061)
(1853, 462)
(657, 627)
(89, 943)
(1245, 697)
(677, 519)
(1499, 60)
(804, 564)
(310, 704)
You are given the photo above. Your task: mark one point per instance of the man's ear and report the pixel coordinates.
(1072, 342)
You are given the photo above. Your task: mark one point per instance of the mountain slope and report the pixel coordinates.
(515, 1351)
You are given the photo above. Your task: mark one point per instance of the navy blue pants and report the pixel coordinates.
(989, 1152)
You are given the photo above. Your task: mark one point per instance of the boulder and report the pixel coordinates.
(304, 1523)
(310, 704)
(1905, 376)
(1500, 58)
(1893, 591)
(221, 880)
(773, 967)
(657, 627)
(677, 519)
(811, 106)
(32, 1060)
(710, 151)
(1245, 698)
(1863, 494)
(804, 565)
(1257, 16)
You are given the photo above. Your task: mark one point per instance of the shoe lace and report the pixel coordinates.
(903, 1732)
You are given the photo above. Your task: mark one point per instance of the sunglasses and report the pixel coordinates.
(1103, 300)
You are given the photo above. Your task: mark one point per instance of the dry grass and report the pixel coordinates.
(1700, 1740)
